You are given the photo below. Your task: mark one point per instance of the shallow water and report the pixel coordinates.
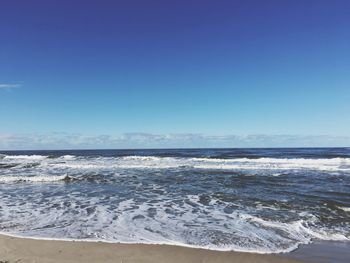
(323, 252)
(261, 200)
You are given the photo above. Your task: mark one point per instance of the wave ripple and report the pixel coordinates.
(266, 201)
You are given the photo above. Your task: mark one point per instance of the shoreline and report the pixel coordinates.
(323, 251)
(153, 244)
(15, 249)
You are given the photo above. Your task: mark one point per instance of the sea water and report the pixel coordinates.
(256, 200)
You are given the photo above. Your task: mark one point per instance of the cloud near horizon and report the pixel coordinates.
(147, 140)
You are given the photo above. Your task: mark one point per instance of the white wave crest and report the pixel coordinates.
(68, 157)
(35, 179)
(333, 164)
(145, 158)
(132, 222)
(69, 163)
(25, 157)
(346, 209)
(155, 162)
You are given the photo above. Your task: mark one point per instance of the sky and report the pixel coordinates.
(154, 74)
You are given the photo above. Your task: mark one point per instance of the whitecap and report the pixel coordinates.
(34, 179)
(26, 157)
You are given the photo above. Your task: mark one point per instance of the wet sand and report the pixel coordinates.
(323, 252)
(25, 250)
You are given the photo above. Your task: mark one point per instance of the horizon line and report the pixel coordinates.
(175, 148)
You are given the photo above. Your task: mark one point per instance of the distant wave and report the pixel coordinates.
(25, 157)
(35, 179)
(255, 200)
(156, 162)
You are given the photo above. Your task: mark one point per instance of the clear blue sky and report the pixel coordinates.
(160, 67)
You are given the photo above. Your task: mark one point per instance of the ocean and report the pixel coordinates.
(255, 200)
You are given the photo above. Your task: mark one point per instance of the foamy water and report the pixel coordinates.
(265, 201)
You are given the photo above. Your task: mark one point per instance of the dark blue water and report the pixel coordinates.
(262, 200)
(209, 153)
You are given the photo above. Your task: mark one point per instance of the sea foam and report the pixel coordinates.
(260, 204)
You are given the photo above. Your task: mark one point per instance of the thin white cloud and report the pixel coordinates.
(146, 140)
(8, 86)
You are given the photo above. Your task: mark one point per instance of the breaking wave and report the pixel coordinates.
(34, 179)
(154, 162)
(258, 204)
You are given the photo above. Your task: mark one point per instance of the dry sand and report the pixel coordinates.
(22, 250)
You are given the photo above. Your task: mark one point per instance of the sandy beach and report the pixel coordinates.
(174, 131)
(14, 249)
